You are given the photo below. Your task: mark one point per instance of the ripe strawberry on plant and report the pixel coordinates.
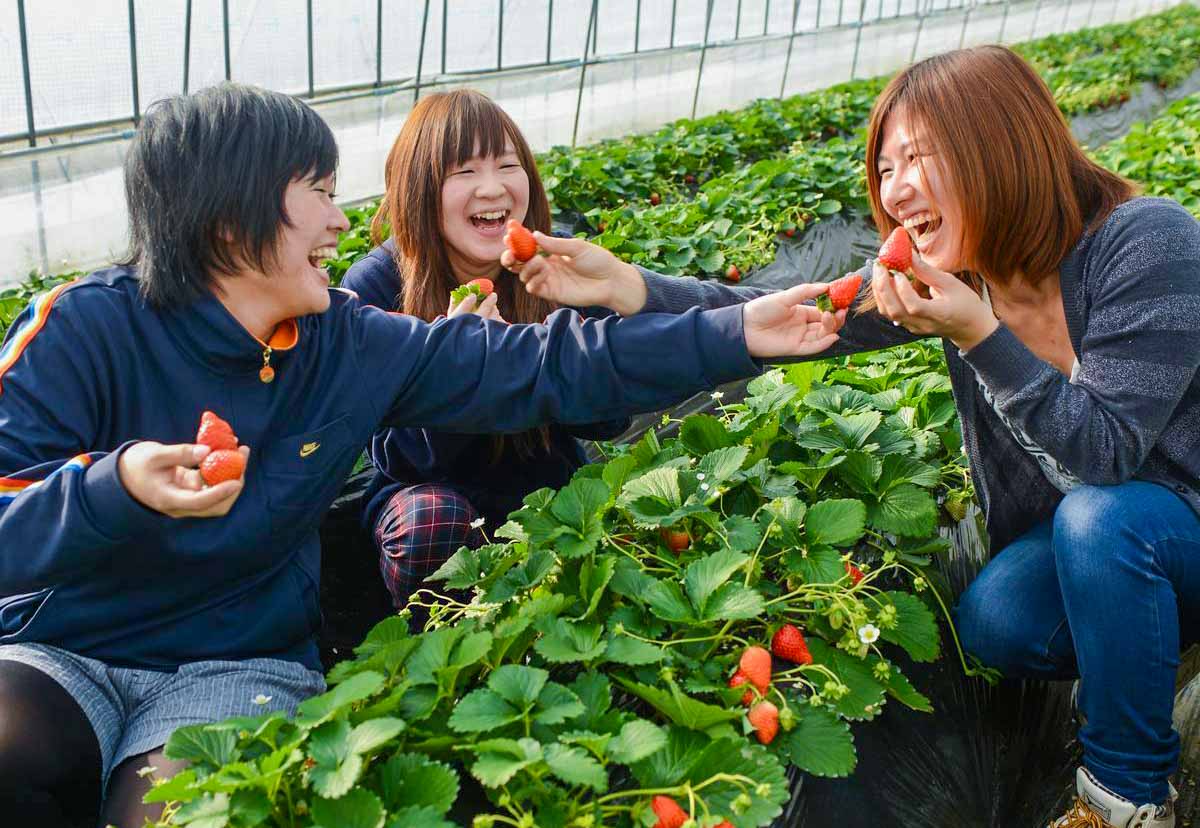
(520, 241)
(788, 643)
(677, 540)
(733, 274)
(896, 252)
(655, 199)
(669, 814)
(737, 680)
(840, 293)
(215, 433)
(764, 716)
(222, 465)
(854, 572)
(482, 288)
(756, 664)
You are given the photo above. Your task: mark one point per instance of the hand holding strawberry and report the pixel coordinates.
(953, 310)
(167, 479)
(580, 274)
(480, 288)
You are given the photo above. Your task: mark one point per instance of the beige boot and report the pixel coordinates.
(1098, 807)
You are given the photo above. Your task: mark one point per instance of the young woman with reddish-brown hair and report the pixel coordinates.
(458, 171)
(1070, 314)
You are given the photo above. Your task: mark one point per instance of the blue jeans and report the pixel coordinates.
(1108, 591)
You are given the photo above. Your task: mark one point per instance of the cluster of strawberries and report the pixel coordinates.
(224, 462)
(754, 668)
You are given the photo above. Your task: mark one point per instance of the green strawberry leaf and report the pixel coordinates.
(419, 817)
(815, 565)
(905, 510)
(501, 759)
(200, 745)
(564, 642)
(704, 433)
(916, 627)
(482, 710)
(821, 743)
(707, 574)
(680, 707)
(357, 809)
(866, 694)
(374, 733)
(734, 602)
(411, 780)
(637, 740)
(575, 767)
(835, 522)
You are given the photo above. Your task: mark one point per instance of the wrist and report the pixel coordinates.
(979, 330)
(627, 294)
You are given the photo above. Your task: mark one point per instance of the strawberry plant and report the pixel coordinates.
(587, 670)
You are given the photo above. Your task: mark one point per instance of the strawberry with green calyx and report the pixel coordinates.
(733, 274)
(764, 718)
(215, 433)
(520, 241)
(788, 643)
(737, 680)
(755, 663)
(482, 288)
(222, 465)
(840, 293)
(677, 540)
(896, 252)
(854, 572)
(669, 814)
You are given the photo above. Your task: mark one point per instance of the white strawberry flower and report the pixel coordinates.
(260, 699)
(476, 523)
(868, 633)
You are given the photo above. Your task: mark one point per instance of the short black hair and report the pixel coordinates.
(205, 180)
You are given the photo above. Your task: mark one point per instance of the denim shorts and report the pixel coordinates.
(134, 711)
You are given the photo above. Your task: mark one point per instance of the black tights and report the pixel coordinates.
(50, 760)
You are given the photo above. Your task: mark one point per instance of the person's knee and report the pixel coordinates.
(1098, 529)
(987, 629)
(418, 530)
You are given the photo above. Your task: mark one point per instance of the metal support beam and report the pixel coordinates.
(787, 62)
(703, 53)
(32, 136)
(583, 70)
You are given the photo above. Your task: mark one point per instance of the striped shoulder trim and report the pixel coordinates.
(21, 338)
(10, 487)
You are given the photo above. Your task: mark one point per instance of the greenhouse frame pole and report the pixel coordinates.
(583, 71)
(862, 10)
(737, 21)
(187, 44)
(309, 18)
(962, 35)
(421, 52)
(25, 73)
(378, 43)
(225, 33)
(133, 69)
(499, 37)
(766, 18)
(674, 3)
(445, 26)
(703, 53)
(791, 42)
(920, 25)
(549, 27)
(1004, 20)
(1066, 16)
(637, 27)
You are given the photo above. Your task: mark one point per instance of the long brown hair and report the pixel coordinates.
(443, 131)
(1026, 188)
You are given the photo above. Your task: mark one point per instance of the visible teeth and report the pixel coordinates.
(493, 215)
(323, 253)
(918, 219)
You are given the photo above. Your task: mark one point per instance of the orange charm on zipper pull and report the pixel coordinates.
(266, 373)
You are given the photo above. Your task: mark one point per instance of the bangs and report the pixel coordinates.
(475, 126)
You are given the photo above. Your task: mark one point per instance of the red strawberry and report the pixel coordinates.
(737, 680)
(733, 274)
(485, 285)
(896, 253)
(677, 540)
(655, 199)
(222, 465)
(689, 179)
(840, 293)
(215, 432)
(765, 718)
(520, 241)
(669, 814)
(724, 824)
(854, 572)
(788, 642)
(756, 664)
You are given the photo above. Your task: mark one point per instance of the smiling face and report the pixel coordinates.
(478, 197)
(916, 190)
(297, 280)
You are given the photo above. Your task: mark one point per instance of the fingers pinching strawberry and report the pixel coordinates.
(225, 461)
(841, 293)
(520, 241)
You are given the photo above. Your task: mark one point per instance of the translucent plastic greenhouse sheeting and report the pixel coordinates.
(66, 208)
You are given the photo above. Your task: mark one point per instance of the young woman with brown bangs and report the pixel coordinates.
(458, 171)
(1070, 314)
